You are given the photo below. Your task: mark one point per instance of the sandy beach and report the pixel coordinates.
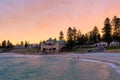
(113, 58)
(107, 57)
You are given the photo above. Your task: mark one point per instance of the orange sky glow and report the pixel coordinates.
(36, 20)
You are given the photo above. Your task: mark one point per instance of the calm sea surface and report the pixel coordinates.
(18, 67)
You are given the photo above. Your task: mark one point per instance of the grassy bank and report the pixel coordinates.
(82, 50)
(2, 50)
(107, 49)
(115, 49)
(25, 50)
(110, 48)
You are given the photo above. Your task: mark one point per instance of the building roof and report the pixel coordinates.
(54, 41)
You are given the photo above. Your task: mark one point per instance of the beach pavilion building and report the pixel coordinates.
(52, 46)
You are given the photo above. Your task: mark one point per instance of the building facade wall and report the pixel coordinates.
(56, 48)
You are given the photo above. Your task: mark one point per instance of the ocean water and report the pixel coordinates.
(19, 67)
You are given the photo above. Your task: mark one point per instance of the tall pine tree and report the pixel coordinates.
(4, 44)
(116, 27)
(61, 37)
(95, 35)
(70, 39)
(107, 31)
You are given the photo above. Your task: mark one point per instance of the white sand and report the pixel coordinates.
(112, 57)
(104, 57)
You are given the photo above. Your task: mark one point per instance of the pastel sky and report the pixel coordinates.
(36, 20)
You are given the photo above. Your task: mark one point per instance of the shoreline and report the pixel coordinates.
(72, 56)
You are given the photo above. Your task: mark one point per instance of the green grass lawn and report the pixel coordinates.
(25, 50)
(82, 50)
(107, 49)
(115, 49)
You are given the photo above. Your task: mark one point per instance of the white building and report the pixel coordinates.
(52, 46)
(102, 44)
(114, 43)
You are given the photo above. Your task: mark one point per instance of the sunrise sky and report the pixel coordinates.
(36, 20)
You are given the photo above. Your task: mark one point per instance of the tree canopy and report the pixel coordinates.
(107, 31)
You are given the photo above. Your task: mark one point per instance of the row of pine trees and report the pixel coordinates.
(8, 44)
(110, 32)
